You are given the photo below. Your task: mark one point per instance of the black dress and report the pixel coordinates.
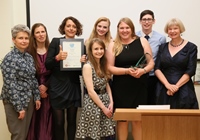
(128, 91)
(183, 62)
(64, 87)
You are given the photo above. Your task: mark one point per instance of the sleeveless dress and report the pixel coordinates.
(93, 122)
(173, 67)
(128, 91)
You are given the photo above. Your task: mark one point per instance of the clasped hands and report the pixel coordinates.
(43, 91)
(135, 72)
(108, 111)
(171, 89)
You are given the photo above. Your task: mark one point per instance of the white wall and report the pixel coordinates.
(11, 12)
(88, 11)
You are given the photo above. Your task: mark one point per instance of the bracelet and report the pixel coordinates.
(144, 71)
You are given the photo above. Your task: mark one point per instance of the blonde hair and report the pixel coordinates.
(117, 49)
(176, 22)
(95, 35)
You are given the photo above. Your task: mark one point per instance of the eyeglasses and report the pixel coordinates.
(147, 19)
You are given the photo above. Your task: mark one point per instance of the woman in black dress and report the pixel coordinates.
(64, 90)
(175, 65)
(129, 85)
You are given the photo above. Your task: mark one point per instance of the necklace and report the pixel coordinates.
(176, 45)
(126, 46)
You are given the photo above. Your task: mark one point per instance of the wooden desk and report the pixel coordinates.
(173, 124)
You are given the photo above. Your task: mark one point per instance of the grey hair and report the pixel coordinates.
(19, 28)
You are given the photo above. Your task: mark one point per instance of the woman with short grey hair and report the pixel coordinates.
(20, 86)
(19, 28)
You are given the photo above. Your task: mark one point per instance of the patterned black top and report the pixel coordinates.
(99, 83)
(19, 81)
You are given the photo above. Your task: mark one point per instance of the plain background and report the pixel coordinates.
(51, 13)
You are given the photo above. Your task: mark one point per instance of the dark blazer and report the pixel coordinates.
(54, 66)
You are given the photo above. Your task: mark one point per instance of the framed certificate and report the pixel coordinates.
(74, 49)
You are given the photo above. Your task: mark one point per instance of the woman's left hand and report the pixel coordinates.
(107, 112)
(43, 95)
(43, 91)
(37, 104)
(139, 72)
(136, 72)
(110, 107)
(83, 58)
(172, 89)
(21, 114)
(42, 88)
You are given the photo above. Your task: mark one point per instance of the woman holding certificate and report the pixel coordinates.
(64, 90)
(129, 86)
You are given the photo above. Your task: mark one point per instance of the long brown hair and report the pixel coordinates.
(32, 49)
(103, 72)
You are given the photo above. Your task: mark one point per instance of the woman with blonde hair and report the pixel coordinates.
(174, 67)
(129, 86)
(101, 30)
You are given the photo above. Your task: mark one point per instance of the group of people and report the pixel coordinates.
(37, 94)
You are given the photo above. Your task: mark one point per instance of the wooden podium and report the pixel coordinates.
(173, 124)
